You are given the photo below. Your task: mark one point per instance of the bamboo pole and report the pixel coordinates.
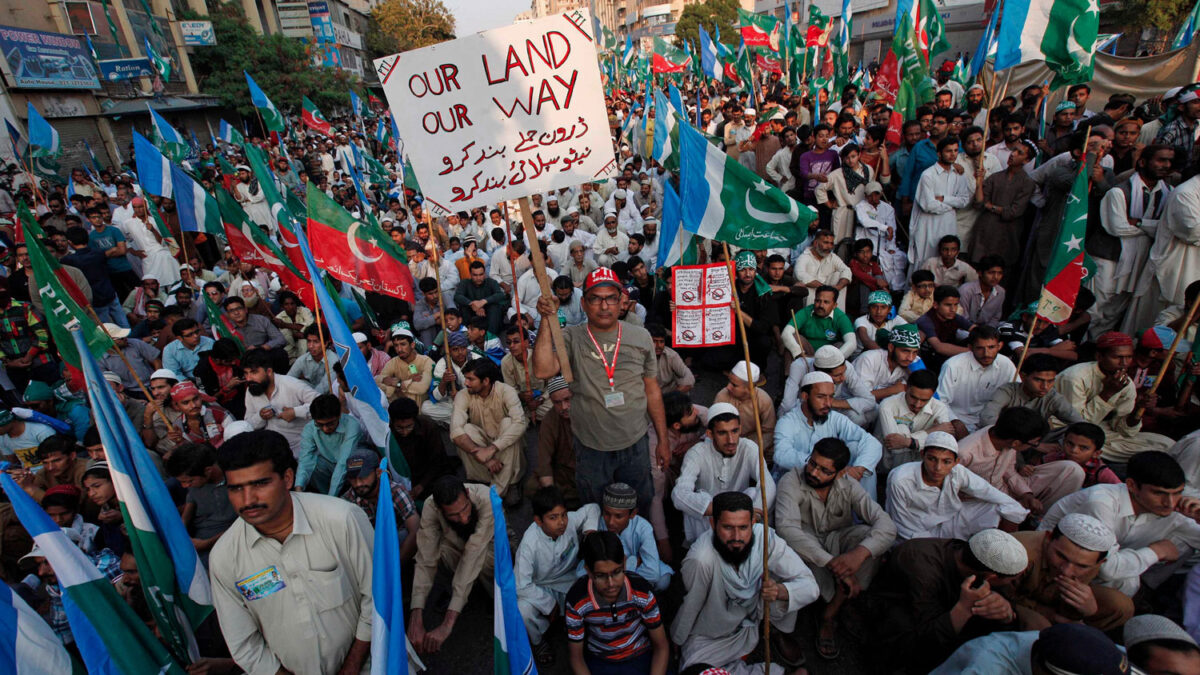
(539, 270)
(321, 336)
(437, 278)
(1162, 371)
(517, 301)
(1025, 351)
(141, 385)
(762, 460)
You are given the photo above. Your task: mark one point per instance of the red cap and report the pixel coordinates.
(947, 66)
(601, 276)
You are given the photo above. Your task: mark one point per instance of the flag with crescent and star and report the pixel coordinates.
(1063, 33)
(354, 251)
(1067, 263)
(312, 118)
(725, 201)
(250, 244)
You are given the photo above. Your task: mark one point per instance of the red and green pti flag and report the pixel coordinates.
(1066, 270)
(228, 173)
(250, 244)
(668, 59)
(62, 300)
(313, 119)
(353, 251)
(221, 325)
(759, 30)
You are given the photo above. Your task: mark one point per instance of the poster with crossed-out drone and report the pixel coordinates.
(703, 296)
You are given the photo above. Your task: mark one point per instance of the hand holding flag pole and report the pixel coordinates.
(517, 301)
(1162, 370)
(539, 270)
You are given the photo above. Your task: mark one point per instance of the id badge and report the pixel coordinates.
(261, 584)
(614, 399)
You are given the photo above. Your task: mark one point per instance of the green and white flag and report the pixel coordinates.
(1063, 33)
(724, 201)
(1066, 270)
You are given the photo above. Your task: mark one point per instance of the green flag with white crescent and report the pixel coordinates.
(1066, 270)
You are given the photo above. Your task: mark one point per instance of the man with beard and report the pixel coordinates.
(758, 311)
(456, 535)
(1103, 392)
(610, 243)
(819, 266)
(723, 462)
(975, 107)
(837, 529)
(482, 296)
(291, 578)
(488, 428)
(1013, 132)
(883, 370)
(364, 478)
(253, 199)
(718, 622)
(275, 402)
(543, 227)
(815, 419)
(970, 379)
(415, 441)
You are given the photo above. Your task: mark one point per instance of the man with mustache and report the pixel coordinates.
(276, 402)
(291, 577)
(718, 622)
(455, 534)
(364, 479)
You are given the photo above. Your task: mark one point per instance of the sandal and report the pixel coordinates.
(827, 648)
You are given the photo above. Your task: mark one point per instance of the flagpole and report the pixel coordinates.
(141, 385)
(1025, 351)
(437, 277)
(321, 336)
(517, 301)
(762, 460)
(539, 270)
(1137, 414)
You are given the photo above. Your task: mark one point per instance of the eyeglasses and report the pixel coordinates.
(616, 575)
(597, 300)
(190, 334)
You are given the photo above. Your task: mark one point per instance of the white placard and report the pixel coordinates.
(504, 113)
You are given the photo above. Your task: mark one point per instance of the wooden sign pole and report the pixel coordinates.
(539, 270)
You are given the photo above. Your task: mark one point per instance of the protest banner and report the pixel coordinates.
(703, 296)
(504, 113)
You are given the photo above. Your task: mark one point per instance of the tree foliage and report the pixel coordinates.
(709, 14)
(1163, 15)
(401, 25)
(282, 66)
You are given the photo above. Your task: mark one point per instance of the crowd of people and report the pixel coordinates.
(940, 471)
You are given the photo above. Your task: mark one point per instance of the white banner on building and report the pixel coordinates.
(503, 113)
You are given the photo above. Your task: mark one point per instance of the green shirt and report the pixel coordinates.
(821, 331)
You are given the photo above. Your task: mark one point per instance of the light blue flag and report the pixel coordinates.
(95, 162)
(380, 131)
(43, 138)
(629, 52)
(28, 646)
(70, 189)
(676, 98)
(389, 647)
(675, 246)
(19, 145)
(986, 44)
(356, 104)
(662, 134)
(154, 170)
(168, 139)
(510, 639)
(365, 400)
(708, 55)
(1184, 37)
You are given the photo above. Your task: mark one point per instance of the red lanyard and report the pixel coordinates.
(610, 369)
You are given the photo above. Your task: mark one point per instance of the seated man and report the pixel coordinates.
(725, 588)
(906, 419)
(673, 373)
(969, 380)
(819, 266)
(925, 498)
(1061, 648)
(617, 513)
(991, 453)
(545, 564)
(819, 324)
(815, 419)
(488, 427)
(883, 370)
(483, 341)
(737, 394)
(255, 330)
(555, 463)
(816, 512)
(325, 444)
(517, 370)
(482, 296)
(455, 535)
(207, 512)
(1105, 395)
(851, 397)
(447, 381)
(408, 373)
(1147, 514)
(722, 462)
(364, 480)
(942, 328)
(939, 593)
(1158, 646)
(141, 359)
(1057, 586)
(414, 441)
(1035, 390)
(58, 455)
(310, 368)
(613, 619)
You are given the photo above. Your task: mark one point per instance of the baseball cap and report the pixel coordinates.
(601, 276)
(360, 463)
(1157, 337)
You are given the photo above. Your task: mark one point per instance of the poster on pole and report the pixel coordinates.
(703, 296)
(503, 113)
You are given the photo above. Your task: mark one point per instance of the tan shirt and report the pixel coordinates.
(804, 521)
(596, 425)
(412, 385)
(308, 624)
(473, 555)
(514, 374)
(487, 413)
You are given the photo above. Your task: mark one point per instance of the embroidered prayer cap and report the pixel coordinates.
(398, 331)
(458, 340)
(906, 335)
(237, 427)
(828, 357)
(753, 373)
(718, 409)
(620, 496)
(620, 193)
(359, 338)
(942, 440)
(815, 377)
(1087, 532)
(1078, 649)
(600, 277)
(745, 260)
(1113, 339)
(115, 331)
(556, 383)
(874, 186)
(241, 167)
(879, 298)
(1147, 627)
(111, 377)
(1157, 337)
(164, 374)
(999, 551)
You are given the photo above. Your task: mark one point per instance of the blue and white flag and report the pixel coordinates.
(356, 104)
(1188, 30)
(197, 209)
(987, 45)
(510, 640)
(43, 138)
(663, 121)
(365, 400)
(95, 162)
(168, 139)
(111, 638)
(675, 246)
(1062, 33)
(390, 653)
(154, 170)
(709, 58)
(630, 52)
(19, 145)
(28, 646)
(228, 134)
